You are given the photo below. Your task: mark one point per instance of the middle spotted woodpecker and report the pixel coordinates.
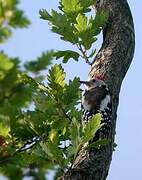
(97, 99)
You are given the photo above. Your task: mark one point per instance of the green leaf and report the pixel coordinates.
(71, 6)
(44, 14)
(22, 132)
(29, 109)
(53, 151)
(87, 3)
(60, 24)
(101, 18)
(18, 19)
(53, 136)
(41, 63)
(99, 22)
(84, 29)
(22, 77)
(92, 53)
(75, 135)
(37, 121)
(10, 4)
(71, 93)
(56, 79)
(5, 63)
(74, 7)
(5, 33)
(12, 15)
(91, 128)
(44, 103)
(81, 25)
(4, 129)
(66, 55)
(24, 91)
(36, 117)
(99, 143)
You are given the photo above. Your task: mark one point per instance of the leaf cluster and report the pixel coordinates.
(41, 63)
(40, 116)
(18, 125)
(74, 25)
(51, 133)
(10, 17)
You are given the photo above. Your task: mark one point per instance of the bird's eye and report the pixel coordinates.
(94, 80)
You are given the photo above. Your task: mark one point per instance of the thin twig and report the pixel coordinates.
(66, 115)
(84, 56)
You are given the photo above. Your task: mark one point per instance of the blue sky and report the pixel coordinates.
(29, 43)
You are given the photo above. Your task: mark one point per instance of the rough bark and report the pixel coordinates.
(111, 62)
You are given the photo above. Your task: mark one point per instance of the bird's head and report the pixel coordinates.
(93, 83)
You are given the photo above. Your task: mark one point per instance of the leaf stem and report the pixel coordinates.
(84, 56)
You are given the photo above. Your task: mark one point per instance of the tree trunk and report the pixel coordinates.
(111, 62)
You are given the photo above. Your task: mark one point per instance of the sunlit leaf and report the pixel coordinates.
(5, 63)
(56, 80)
(4, 130)
(81, 25)
(5, 33)
(91, 127)
(71, 6)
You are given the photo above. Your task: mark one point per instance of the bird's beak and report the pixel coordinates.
(87, 83)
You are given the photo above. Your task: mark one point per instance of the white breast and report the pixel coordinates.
(85, 104)
(104, 103)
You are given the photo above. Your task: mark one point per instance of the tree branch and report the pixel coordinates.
(84, 56)
(111, 62)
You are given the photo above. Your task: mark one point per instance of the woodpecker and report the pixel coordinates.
(100, 2)
(97, 99)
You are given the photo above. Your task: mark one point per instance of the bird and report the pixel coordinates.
(96, 98)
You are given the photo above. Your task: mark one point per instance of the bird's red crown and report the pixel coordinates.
(100, 78)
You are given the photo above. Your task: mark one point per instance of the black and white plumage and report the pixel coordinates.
(97, 99)
(99, 2)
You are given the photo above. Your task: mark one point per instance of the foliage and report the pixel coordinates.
(10, 17)
(40, 116)
(74, 25)
(40, 63)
